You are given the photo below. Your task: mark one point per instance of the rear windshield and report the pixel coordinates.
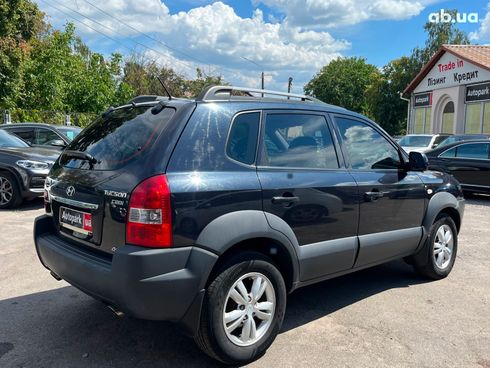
(118, 139)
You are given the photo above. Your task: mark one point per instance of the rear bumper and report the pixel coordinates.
(155, 284)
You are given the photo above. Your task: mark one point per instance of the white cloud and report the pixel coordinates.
(214, 34)
(334, 13)
(483, 33)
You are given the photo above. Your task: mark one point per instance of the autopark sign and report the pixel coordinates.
(450, 71)
(480, 92)
(423, 99)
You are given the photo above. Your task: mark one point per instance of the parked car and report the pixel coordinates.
(271, 188)
(23, 170)
(421, 142)
(468, 161)
(463, 137)
(38, 134)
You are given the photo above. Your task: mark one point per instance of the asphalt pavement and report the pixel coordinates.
(386, 316)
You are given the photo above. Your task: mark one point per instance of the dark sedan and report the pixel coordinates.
(23, 169)
(467, 161)
(38, 134)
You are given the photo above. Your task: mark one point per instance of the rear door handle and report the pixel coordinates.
(284, 200)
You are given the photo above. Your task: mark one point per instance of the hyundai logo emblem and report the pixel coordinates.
(70, 191)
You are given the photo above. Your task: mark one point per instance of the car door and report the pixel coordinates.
(305, 184)
(392, 199)
(469, 163)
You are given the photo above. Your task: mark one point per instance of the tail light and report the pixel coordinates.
(150, 216)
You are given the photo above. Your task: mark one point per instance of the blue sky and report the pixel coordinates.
(286, 37)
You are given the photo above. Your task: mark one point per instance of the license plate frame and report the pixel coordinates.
(77, 221)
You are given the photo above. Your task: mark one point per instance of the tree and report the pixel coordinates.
(438, 34)
(63, 75)
(383, 95)
(142, 75)
(20, 22)
(344, 82)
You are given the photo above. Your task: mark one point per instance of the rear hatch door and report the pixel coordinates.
(90, 185)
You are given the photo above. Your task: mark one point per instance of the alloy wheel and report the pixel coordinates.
(6, 191)
(443, 247)
(249, 309)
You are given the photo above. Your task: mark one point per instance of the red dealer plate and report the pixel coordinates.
(76, 220)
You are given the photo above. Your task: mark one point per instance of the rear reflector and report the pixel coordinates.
(150, 216)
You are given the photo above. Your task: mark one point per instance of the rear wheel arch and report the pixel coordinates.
(275, 251)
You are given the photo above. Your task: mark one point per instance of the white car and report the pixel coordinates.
(421, 142)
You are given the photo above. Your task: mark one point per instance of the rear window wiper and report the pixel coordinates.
(81, 156)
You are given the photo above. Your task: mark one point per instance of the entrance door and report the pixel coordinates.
(448, 118)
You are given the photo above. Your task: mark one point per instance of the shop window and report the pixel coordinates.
(448, 118)
(428, 126)
(473, 118)
(419, 120)
(486, 118)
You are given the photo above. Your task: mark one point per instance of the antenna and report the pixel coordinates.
(165, 88)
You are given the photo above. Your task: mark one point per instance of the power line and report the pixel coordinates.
(153, 38)
(111, 29)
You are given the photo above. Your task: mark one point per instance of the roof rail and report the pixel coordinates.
(217, 93)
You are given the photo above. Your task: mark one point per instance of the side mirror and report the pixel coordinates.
(57, 143)
(418, 161)
(435, 145)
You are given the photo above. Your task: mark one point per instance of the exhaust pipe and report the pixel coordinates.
(116, 311)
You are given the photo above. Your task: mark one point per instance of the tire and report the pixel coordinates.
(233, 347)
(10, 196)
(438, 266)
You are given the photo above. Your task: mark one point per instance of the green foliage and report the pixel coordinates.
(20, 22)
(142, 76)
(63, 75)
(344, 82)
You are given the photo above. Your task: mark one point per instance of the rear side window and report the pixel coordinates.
(26, 134)
(298, 141)
(118, 139)
(367, 149)
(242, 141)
(475, 151)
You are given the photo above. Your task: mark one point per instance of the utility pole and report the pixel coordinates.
(262, 75)
(290, 84)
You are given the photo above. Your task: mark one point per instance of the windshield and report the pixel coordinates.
(415, 141)
(70, 132)
(117, 139)
(8, 140)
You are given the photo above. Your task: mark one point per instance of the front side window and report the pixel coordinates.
(242, 142)
(46, 137)
(299, 141)
(367, 149)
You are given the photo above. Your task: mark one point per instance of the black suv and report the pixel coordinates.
(208, 212)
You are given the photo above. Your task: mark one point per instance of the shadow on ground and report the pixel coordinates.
(65, 328)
